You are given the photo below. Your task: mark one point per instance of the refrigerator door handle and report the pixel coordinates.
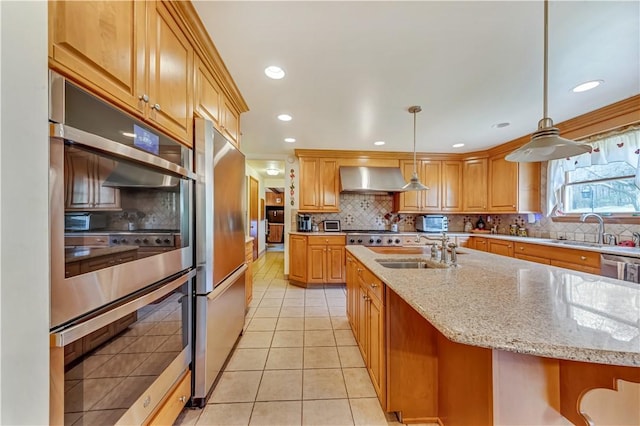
(227, 282)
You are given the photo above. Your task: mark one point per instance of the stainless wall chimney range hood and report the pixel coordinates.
(371, 180)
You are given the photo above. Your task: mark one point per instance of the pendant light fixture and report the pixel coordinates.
(546, 143)
(414, 183)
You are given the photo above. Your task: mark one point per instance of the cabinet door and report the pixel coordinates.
(362, 335)
(335, 265)
(376, 361)
(170, 84)
(230, 121)
(410, 201)
(104, 197)
(101, 44)
(351, 281)
(329, 184)
(504, 248)
(79, 175)
(451, 186)
(309, 184)
(207, 94)
(474, 179)
(316, 264)
(503, 185)
(298, 258)
(480, 243)
(430, 176)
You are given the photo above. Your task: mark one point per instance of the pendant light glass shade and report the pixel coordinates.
(414, 183)
(546, 143)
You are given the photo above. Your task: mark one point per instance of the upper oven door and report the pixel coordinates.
(140, 180)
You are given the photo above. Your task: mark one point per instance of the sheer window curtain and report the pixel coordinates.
(624, 146)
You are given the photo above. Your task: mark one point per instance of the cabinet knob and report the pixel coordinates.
(583, 257)
(521, 248)
(373, 285)
(364, 297)
(144, 98)
(156, 107)
(514, 206)
(508, 246)
(182, 399)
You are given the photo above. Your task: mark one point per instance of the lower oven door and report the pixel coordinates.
(116, 367)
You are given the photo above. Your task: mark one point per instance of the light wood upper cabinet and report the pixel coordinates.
(513, 187)
(444, 179)
(131, 53)
(102, 44)
(84, 175)
(170, 88)
(230, 122)
(474, 185)
(319, 184)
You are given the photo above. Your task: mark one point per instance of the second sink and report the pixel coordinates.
(409, 263)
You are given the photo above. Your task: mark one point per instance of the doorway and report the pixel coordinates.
(274, 214)
(254, 208)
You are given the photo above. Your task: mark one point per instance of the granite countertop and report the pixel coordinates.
(75, 254)
(508, 304)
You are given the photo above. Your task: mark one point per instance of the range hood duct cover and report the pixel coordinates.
(129, 176)
(371, 179)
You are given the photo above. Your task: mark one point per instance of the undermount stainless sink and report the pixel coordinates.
(409, 263)
(577, 243)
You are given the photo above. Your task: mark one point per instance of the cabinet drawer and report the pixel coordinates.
(535, 250)
(373, 283)
(315, 240)
(578, 257)
(532, 258)
(173, 405)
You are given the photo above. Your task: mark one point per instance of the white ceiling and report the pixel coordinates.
(353, 69)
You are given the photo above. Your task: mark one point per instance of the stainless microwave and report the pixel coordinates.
(432, 223)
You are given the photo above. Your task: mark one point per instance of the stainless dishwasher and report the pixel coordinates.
(621, 267)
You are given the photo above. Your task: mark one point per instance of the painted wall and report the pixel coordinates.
(24, 217)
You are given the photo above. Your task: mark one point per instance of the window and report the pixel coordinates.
(608, 188)
(603, 181)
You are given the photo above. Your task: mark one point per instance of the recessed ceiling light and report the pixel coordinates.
(284, 117)
(587, 86)
(289, 140)
(501, 125)
(273, 172)
(129, 134)
(274, 72)
(458, 145)
(379, 143)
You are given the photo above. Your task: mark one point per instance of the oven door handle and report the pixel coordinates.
(71, 334)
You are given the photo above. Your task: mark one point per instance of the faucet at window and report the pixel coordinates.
(600, 225)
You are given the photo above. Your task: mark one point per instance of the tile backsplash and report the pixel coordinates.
(146, 209)
(367, 211)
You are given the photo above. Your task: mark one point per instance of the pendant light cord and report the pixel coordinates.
(546, 59)
(415, 172)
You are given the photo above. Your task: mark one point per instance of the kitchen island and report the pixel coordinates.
(508, 331)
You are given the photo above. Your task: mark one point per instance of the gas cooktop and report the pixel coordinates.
(369, 231)
(374, 238)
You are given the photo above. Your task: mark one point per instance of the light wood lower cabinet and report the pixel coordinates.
(502, 247)
(366, 310)
(317, 259)
(248, 276)
(173, 404)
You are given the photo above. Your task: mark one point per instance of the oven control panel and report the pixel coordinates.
(142, 239)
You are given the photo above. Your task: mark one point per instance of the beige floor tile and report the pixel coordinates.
(294, 292)
(281, 413)
(262, 324)
(280, 385)
(344, 338)
(337, 301)
(267, 312)
(293, 303)
(315, 301)
(367, 412)
(323, 384)
(358, 383)
(350, 357)
(284, 359)
(340, 323)
(255, 339)
(337, 311)
(188, 417)
(276, 293)
(319, 338)
(226, 414)
(292, 312)
(317, 323)
(270, 303)
(287, 339)
(237, 386)
(290, 324)
(326, 412)
(245, 359)
(316, 311)
(321, 357)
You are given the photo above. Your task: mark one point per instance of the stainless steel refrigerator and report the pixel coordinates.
(219, 304)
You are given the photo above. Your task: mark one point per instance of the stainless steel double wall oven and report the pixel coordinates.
(122, 268)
